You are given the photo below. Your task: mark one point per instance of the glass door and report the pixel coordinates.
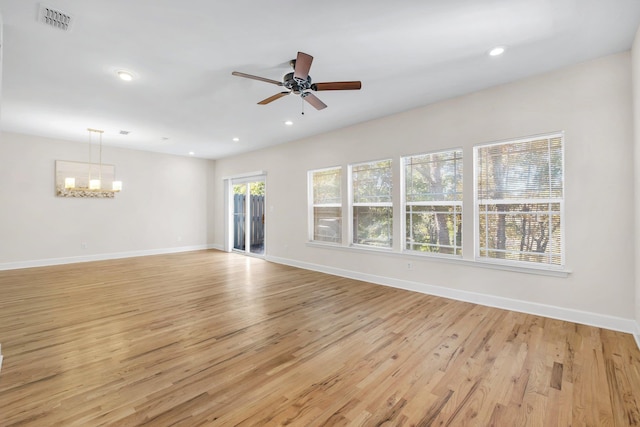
(248, 201)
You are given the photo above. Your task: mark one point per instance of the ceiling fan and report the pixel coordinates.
(299, 82)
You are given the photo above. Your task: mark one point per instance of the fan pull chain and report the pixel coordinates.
(302, 100)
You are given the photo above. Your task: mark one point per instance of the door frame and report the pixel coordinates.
(229, 182)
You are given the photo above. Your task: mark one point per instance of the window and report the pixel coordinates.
(371, 205)
(433, 202)
(520, 201)
(326, 205)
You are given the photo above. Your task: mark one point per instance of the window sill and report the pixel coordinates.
(452, 259)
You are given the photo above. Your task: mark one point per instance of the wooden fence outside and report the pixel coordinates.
(257, 220)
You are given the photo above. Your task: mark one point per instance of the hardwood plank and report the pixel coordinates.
(210, 338)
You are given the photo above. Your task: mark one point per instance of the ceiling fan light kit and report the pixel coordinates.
(299, 83)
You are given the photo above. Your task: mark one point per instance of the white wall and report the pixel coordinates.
(163, 207)
(1, 59)
(591, 102)
(635, 53)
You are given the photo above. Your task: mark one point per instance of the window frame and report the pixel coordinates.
(311, 205)
(351, 205)
(561, 211)
(458, 204)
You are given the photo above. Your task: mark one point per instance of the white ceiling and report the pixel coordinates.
(407, 53)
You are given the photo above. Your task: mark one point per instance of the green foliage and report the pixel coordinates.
(372, 182)
(373, 215)
(373, 226)
(255, 188)
(520, 186)
(434, 229)
(327, 186)
(434, 178)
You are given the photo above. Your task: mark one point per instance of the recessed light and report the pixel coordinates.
(236, 139)
(288, 123)
(125, 75)
(497, 51)
(191, 153)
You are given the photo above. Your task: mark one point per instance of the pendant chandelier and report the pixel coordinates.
(92, 181)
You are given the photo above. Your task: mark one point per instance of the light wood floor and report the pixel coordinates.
(209, 338)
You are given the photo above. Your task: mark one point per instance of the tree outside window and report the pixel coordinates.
(520, 200)
(433, 202)
(326, 205)
(372, 210)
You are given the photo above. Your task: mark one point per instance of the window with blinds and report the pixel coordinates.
(326, 205)
(371, 204)
(520, 200)
(433, 202)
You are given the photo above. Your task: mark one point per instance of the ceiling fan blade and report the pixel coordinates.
(355, 85)
(273, 98)
(303, 64)
(314, 100)
(262, 79)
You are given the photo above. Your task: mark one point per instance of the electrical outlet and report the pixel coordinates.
(409, 266)
(83, 245)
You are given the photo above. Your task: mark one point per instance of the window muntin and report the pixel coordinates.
(371, 204)
(326, 205)
(520, 201)
(433, 202)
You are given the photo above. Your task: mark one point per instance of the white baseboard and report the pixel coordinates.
(100, 257)
(554, 312)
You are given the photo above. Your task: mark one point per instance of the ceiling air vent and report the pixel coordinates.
(54, 18)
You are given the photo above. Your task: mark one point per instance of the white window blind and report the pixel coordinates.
(326, 205)
(433, 202)
(371, 204)
(520, 200)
